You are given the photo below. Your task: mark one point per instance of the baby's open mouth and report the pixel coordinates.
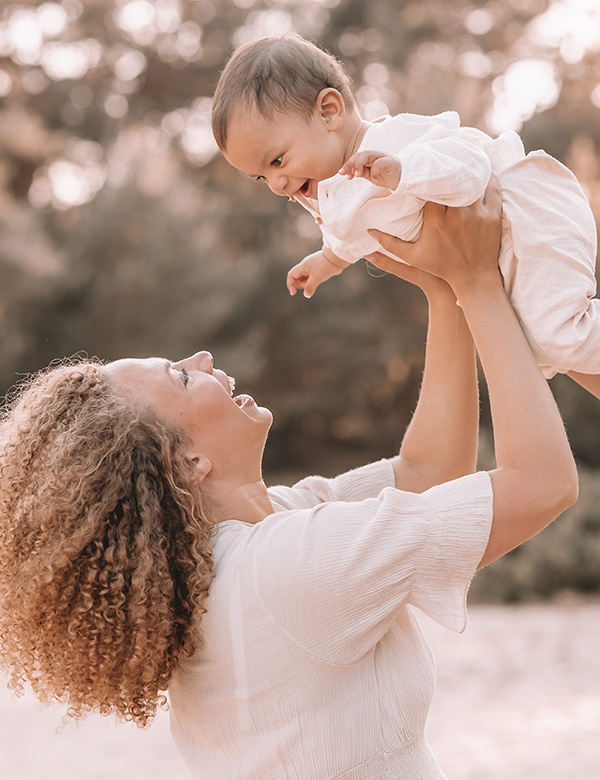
(305, 187)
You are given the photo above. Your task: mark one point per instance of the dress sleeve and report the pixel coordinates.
(452, 169)
(355, 485)
(333, 578)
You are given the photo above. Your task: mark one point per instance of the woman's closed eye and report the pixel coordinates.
(184, 376)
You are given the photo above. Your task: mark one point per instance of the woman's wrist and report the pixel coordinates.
(437, 291)
(479, 285)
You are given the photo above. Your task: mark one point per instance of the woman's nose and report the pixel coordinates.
(201, 361)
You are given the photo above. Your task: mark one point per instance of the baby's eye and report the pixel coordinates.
(277, 161)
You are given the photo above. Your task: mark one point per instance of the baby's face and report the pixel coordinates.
(289, 152)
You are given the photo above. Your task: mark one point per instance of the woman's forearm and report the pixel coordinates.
(440, 443)
(535, 478)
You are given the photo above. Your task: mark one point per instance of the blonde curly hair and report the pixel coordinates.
(105, 551)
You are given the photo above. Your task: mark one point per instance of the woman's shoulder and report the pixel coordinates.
(354, 485)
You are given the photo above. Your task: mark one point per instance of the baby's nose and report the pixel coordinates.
(279, 185)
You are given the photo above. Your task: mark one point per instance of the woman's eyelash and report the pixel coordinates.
(185, 375)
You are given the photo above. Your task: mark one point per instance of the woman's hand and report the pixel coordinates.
(535, 478)
(431, 285)
(458, 245)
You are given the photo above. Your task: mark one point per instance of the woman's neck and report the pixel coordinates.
(248, 502)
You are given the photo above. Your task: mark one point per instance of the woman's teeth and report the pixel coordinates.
(231, 381)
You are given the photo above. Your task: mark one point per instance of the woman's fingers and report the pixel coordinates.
(427, 282)
(454, 242)
(492, 197)
(418, 252)
(402, 249)
(385, 263)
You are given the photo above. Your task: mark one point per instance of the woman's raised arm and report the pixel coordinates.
(535, 478)
(440, 443)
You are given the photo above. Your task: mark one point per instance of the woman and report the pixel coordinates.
(141, 551)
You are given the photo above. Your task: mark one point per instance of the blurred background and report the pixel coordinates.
(124, 233)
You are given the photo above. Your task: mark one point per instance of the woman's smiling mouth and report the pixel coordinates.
(244, 400)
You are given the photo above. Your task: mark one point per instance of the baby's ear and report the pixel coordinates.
(330, 106)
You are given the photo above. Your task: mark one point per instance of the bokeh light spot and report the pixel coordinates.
(527, 86)
(6, 83)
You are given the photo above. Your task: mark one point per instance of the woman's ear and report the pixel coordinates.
(330, 106)
(200, 467)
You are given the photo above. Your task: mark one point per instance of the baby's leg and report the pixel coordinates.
(550, 272)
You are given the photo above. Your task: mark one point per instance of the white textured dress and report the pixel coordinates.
(548, 251)
(313, 666)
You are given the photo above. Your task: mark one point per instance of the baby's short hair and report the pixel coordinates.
(284, 73)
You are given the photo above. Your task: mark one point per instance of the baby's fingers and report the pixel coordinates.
(310, 287)
(296, 279)
(358, 164)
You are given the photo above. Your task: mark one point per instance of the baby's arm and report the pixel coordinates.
(380, 169)
(309, 273)
(452, 169)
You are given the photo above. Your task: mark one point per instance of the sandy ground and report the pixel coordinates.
(518, 695)
(518, 699)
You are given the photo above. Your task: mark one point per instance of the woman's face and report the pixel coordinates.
(195, 398)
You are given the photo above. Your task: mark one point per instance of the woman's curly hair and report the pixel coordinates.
(105, 551)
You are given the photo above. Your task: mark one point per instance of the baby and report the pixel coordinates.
(284, 113)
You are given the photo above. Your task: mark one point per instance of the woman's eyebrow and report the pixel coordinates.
(182, 373)
(168, 366)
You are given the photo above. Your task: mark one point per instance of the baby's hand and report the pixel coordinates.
(315, 269)
(380, 169)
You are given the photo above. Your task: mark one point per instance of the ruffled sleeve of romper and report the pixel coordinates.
(447, 166)
(333, 578)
